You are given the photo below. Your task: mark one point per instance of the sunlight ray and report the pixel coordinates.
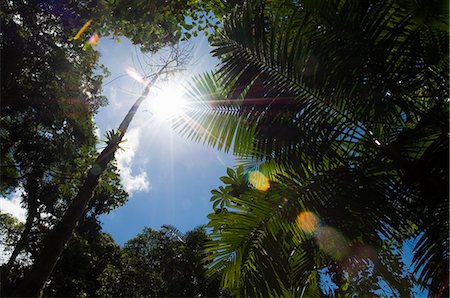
(254, 101)
(167, 103)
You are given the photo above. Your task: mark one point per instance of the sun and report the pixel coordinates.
(168, 103)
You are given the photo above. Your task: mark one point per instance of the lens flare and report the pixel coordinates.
(134, 74)
(80, 32)
(259, 181)
(200, 130)
(332, 242)
(360, 258)
(308, 222)
(93, 40)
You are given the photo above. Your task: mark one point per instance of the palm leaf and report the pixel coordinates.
(327, 93)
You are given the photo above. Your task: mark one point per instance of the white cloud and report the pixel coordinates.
(112, 98)
(12, 204)
(130, 182)
(97, 133)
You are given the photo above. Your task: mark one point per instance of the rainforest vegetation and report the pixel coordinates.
(337, 113)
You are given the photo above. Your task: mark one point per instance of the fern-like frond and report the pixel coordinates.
(338, 103)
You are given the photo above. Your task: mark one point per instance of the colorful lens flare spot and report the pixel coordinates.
(259, 181)
(80, 32)
(308, 222)
(93, 40)
(332, 242)
(359, 259)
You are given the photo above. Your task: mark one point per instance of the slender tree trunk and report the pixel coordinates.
(32, 211)
(18, 248)
(55, 241)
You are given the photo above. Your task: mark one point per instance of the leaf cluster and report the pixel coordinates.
(160, 263)
(343, 105)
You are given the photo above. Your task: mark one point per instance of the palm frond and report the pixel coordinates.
(173, 233)
(215, 119)
(331, 101)
(257, 240)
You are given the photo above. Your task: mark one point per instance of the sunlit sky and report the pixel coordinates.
(168, 177)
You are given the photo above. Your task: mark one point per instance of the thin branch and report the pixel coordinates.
(116, 78)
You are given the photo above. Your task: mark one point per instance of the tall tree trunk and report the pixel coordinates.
(56, 239)
(18, 248)
(32, 197)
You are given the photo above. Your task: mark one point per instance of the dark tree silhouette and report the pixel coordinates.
(57, 238)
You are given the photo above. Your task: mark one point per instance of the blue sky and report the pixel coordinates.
(169, 177)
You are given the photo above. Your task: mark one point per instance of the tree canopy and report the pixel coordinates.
(161, 263)
(51, 85)
(336, 110)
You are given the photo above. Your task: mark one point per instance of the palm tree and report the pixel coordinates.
(343, 105)
(275, 242)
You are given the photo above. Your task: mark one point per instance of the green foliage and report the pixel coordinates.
(345, 108)
(220, 117)
(259, 246)
(205, 17)
(224, 196)
(150, 24)
(87, 255)
(10, 228)
(154, 263)
(341, 104)
(281, 64)
(160, 263)
(50, 92)
(49, 97)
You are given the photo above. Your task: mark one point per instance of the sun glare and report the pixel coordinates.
(168, 103)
